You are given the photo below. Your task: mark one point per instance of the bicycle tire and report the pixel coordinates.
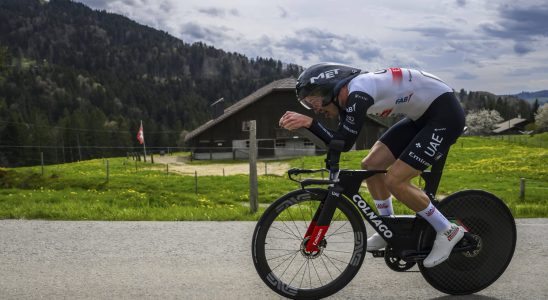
(347, 224)
(486, 216)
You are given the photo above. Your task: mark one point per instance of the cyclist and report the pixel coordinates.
(433, 121)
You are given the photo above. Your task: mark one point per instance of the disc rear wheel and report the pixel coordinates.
(493, 228)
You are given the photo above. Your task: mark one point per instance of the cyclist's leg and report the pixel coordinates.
(379, 158)
(384, 152)
(382, 155)
(441, 125)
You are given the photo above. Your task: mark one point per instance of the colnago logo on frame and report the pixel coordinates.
(372, 216)
(325, 75)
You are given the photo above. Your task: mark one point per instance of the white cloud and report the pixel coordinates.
(456, 39)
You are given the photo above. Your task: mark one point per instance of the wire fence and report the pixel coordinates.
(524, 140)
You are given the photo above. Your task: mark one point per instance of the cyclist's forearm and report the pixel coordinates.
(320, 131)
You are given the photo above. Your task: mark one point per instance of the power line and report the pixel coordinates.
(84, 129)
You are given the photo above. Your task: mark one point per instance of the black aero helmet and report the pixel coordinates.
(325, 80)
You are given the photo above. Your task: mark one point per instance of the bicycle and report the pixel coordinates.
(311, 242)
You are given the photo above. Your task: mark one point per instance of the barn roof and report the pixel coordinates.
(286, 84)
(508, 124)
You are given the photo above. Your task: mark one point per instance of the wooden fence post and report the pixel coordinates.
(108, 171)
(42, 162)
(253, 183)
(522, 188)
(195, 181)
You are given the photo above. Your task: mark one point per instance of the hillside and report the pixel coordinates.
(508, 106)
(84, 78)
(531, 97)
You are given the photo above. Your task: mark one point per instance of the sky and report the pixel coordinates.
(480, 45)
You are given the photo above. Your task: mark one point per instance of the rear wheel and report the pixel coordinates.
(279, 247)
(493, 227)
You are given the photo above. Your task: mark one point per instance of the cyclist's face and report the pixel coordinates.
(315, 102)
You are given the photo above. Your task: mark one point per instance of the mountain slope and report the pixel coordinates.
(85, 77)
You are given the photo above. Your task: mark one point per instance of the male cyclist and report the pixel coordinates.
(433, 121)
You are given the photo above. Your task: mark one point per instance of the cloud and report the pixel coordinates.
(461, 3)
(218, 12)
(194, 31)
(431, 31)
(521, 48)
(526, 71)
(463, 75)
(322, 45)
(522, 24)
(283, 12)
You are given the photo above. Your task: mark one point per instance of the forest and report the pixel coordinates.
(75, 83)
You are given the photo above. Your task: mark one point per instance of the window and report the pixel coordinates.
(245, 125)
(308, 143)
(280, 143)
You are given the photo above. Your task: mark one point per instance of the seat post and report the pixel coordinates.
(432, 177)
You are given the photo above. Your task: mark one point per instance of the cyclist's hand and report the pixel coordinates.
(292, 120)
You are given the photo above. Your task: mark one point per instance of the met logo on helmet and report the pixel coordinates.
(325, 75)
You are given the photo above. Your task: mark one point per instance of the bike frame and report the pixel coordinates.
(401, 233)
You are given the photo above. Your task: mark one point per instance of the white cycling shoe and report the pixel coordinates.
(444, 243)
(375, 242)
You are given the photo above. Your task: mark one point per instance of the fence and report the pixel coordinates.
(525, 140)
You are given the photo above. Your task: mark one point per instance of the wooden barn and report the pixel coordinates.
(226, 135)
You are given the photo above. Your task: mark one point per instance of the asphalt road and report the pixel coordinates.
(206, 260)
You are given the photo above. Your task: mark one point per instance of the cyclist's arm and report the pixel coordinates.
(351, 122)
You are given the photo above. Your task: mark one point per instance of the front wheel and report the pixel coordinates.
(279, 247)
(491, 223)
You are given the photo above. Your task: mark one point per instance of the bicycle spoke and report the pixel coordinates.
(289, 265)
(332, 258)
(331, 250)
(298, 236)
(273, 258)
(326, 268)
(298, 271)
(282, 238)
(285, 261)
(335, 217)
(291, 234)
(317, 273)
(302, 215)
(337, 229)
(290, 250)
(343, 232)
(293, 220)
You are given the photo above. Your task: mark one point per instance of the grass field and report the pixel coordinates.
(138, 191)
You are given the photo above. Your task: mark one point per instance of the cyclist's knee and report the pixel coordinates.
(394, 183)
(372, 162)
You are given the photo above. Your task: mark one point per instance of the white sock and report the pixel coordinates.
(384, 207)
(435, 218)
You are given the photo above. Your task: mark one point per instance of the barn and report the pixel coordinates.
(226, 135)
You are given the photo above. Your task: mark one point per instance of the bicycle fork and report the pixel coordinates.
(322, 219)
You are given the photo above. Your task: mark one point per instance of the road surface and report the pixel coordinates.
(206, 260)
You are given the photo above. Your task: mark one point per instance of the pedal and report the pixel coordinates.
(377, 253)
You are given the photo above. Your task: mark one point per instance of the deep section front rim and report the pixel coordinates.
(279, 247)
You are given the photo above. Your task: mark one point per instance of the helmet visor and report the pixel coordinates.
(316, 99)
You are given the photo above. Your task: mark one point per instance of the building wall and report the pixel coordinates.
(227, 137)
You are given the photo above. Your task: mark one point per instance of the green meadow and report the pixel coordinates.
(139, 191)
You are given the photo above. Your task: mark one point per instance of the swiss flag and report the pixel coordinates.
(141, 135)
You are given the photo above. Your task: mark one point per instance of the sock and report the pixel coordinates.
(384, 207)
(435, 218)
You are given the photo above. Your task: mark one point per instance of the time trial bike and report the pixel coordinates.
(311, 242)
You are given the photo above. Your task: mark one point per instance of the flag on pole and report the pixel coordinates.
(141, 135)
